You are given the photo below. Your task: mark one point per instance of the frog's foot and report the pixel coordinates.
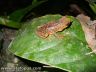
(59, 36)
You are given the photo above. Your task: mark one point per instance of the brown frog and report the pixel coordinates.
(52, 27)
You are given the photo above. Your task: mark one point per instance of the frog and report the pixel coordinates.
(52, 27)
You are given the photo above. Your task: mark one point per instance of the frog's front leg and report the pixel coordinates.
(59, 36)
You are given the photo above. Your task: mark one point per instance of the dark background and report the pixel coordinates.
(50, 6)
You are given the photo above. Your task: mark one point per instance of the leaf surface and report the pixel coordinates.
(70, 53)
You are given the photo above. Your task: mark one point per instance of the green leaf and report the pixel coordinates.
(70, 53)
(93, 7)
(19, 14)
(9, 23)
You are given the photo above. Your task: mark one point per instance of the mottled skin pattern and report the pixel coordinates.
(52, 27)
